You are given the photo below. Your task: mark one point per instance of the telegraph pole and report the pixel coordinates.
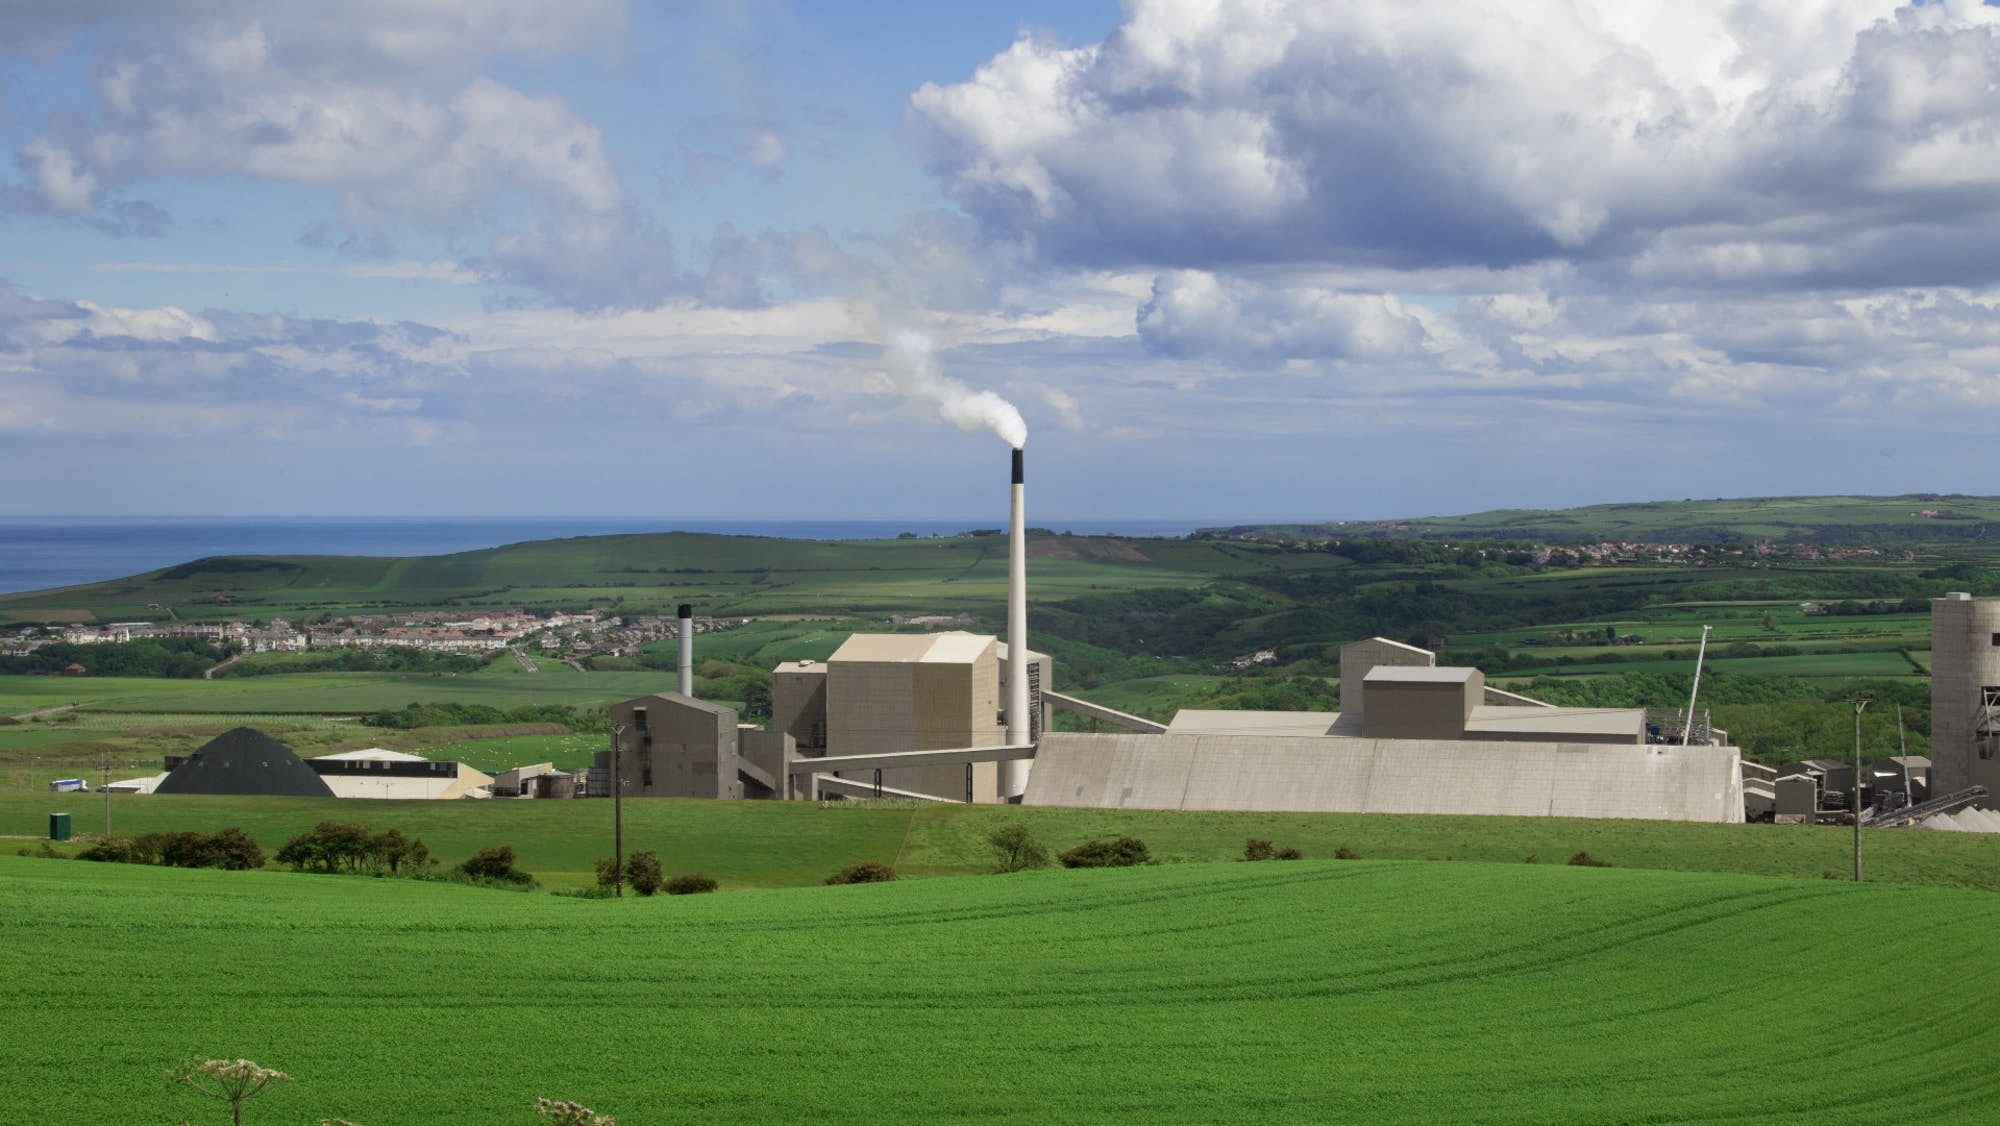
(619, 813)
(1854, 798)
(106, 787)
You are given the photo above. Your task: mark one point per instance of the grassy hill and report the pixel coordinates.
(722, 574)
(1313, 991)
(1843, 520)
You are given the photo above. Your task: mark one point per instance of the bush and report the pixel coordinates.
(1255, 849)
(494, 867)
(1125, 852)
(866, 872)
(608, 874)
(112, 850)
(234, 850)
(643, 869)
(597, 892)
(1016, 850)
(1585, 860)
(693, 883)
(1345, 853)
(188, 849)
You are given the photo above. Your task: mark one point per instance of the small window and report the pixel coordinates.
(639, 718)
(1996, 639)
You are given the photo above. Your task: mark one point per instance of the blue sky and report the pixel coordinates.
(769, 260)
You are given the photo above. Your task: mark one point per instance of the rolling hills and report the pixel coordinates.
(1909, 519)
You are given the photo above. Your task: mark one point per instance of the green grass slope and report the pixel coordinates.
(1315, 991)
(788, 844)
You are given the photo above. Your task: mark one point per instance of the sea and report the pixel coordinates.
(38, 552)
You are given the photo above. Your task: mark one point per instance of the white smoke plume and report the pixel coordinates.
(910, 369)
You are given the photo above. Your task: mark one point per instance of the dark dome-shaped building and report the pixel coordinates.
(245, 762)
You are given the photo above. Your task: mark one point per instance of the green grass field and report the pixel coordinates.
(333, 693)
(789, 844)
(1307, 992)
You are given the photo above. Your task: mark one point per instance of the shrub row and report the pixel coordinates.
(339, 846)
(230, 848)
(1256, 849)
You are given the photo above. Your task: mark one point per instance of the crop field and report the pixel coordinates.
(568, 751)
(333, 693)
(1314, 991)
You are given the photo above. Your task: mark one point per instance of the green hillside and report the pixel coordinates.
(1314, 991)
(724, 575)
(1838, 520)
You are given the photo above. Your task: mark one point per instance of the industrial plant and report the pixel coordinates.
(964, 717)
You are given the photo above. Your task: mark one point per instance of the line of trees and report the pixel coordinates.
(180, 658)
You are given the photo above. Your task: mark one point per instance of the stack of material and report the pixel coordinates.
(1964, 821)
(244, 761)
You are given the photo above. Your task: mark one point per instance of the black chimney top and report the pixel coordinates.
(687, 610)
(1017, 466)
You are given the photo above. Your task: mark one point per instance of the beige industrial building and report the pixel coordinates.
(1965, 695)
(885, 693)
(1389, 690)
(396, 775)
(1412, 737)
(675, 746)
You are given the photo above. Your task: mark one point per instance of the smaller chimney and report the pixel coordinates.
(687, 649)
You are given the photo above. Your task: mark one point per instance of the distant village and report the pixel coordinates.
(595, 632)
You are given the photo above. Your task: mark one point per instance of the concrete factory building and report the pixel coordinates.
(883, 693)
(1965, 695)
(1413, 738)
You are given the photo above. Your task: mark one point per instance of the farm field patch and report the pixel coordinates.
(336, 693)
(1313, 991)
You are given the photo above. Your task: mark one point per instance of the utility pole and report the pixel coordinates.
(106, 787)
(1854, 798)
(617, 812)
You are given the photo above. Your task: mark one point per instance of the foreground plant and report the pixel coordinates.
(566, 1113)
(231, 1081)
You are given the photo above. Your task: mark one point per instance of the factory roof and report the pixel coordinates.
(1487, 720)
(1197, 721)
(1279, 773)
(144, 785)
(1420, 674)
(1493, 719)
(804, 668)
(372, 754)
(1001, 652)
(954, 647)
(1394, 644)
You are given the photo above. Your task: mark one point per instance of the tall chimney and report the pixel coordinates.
(687, 649)
(1014, 774)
